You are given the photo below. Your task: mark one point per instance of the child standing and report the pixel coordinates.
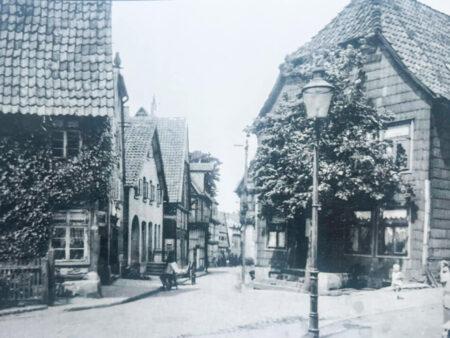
(397, 280)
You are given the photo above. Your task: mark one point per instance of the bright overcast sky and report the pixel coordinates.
(214, 62)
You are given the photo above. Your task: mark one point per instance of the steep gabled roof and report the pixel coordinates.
(138, 142)
(173, 137)
(56, 57)
(416, 33)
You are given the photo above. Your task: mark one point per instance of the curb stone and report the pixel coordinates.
(20, 310)
(119, 302)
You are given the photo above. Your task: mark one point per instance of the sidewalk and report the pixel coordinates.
(120, 292)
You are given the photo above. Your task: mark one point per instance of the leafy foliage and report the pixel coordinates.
(355, 170)
(213, 176)
(33, 184)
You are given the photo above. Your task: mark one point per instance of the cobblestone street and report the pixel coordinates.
(215, 307)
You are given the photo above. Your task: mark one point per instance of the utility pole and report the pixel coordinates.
(244, 205)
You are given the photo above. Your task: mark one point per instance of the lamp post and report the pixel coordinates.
(317, 95)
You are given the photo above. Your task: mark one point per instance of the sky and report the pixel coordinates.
(214, 62)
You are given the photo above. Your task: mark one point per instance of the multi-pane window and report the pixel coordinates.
(70, 235)
(359, 239)
(393, 233)
(66, 143)
(276, 238)
(401, 149)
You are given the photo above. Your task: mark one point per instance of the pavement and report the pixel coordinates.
(217, 307)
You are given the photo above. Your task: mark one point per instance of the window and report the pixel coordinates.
(276, 237)
(66, 143)
(138, 189)
(145, 189)
(401, 148)
(152, 192)
(393, 233)
(70, 236)
(159, 195)
(359, 237)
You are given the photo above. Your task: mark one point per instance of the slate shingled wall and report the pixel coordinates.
(393, 90)
(440, 186)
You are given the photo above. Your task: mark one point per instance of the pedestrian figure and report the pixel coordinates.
(397, 280)
(444, 277)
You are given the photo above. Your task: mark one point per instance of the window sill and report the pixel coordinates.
(275, 249)
(359, 255)
(68, 262)
(393, 256)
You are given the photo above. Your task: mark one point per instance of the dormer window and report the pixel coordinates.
(66, 143)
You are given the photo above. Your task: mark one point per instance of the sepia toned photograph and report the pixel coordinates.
(224, 168)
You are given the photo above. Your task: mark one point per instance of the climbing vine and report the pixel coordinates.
(33, 184)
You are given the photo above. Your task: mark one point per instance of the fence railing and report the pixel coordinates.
(27, 282)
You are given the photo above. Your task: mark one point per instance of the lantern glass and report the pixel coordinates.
(317, 95)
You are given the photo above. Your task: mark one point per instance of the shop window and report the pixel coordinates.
(66, 143)
(276, 238)
(393, 233)
(359, 239)
(70, 236)
(401, 147)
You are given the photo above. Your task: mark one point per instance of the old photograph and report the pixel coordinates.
(224, 168)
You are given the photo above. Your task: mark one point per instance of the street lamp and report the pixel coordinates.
(317, 95)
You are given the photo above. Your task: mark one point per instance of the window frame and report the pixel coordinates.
(144, 189)
(65, 138)
(68, 223)
(359, 223)
(382, 227)
(396, 140)
(138, 189)
(277, 229)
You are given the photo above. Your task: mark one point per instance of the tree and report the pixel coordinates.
(355, 169)
(211, 177)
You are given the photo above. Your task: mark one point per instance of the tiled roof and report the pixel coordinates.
(138, 142)
(418, 34)
(196, 166)
(173, 137)
(56, 57)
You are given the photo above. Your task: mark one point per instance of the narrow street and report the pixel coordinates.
(216, 307)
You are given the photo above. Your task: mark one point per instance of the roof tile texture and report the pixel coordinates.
(419, 35)
(173, 138)
(138, 142)
(56, 57)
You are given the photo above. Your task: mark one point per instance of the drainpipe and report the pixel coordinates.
(426, 226)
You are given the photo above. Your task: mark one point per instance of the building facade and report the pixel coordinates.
(59, 81)
(407, 74)
(145, 193)
(173, 133)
